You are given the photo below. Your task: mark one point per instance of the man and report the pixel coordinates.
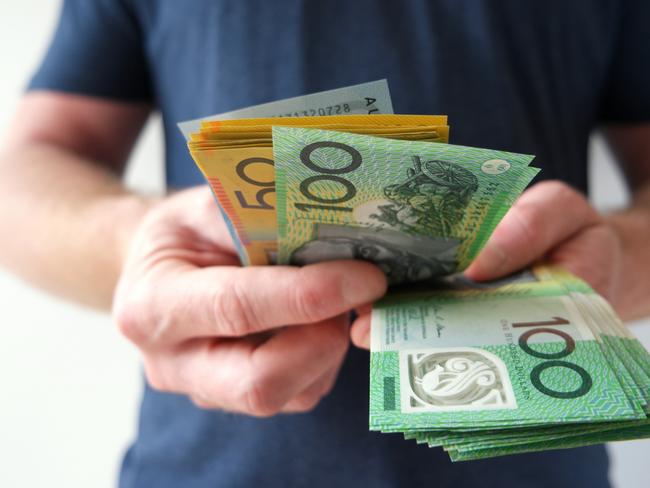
(239, 362)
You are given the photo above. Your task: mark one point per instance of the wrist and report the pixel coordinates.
(122, 214)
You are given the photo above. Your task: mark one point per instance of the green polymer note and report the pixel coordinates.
(416, 209)
(632, 345)
(563, 433)
(641, 431)
(477, 441)
(439, 359)
(619, 346)
(613, 344)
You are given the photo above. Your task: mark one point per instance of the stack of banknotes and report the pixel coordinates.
(240, 161)
(537, 361)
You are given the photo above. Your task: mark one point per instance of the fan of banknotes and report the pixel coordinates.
(537, 361)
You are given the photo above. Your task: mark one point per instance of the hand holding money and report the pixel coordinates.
(553, 222)
(256, 340)
(550, 222)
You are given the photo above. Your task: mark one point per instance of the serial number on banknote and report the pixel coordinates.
(366, 104)
(342, 108)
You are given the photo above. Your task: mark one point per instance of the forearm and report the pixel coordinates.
(65, 222)
(633, 228)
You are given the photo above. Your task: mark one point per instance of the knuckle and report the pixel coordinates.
(334, 339)
(305, 402)
(601, 237)
(258, 399)
(233, 310)
(129, 315)
(154, 376)
(328, 387)
(308, 301)
(531, 222)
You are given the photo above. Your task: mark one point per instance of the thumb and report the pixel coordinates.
(543, 217)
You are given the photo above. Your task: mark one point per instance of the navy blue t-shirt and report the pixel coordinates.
(531, 77)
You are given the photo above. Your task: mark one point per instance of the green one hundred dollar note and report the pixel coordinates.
(416, 209)
(623, 358)
(511, 357)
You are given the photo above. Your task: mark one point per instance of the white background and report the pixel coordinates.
(70, 385)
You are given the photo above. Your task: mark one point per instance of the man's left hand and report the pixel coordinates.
(550, 222)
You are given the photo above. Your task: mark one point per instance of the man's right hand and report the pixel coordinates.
(256, 340)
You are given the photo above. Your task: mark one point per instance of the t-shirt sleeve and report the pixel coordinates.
(97, 50)
(627, 93)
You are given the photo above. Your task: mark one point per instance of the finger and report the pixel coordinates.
(314, 350)
(311, 396)
(305, 401)
(182, 303)
(360, 331)
(364, 309)
(242, 375)
(594, 255)
(185, 368)
(544, 216)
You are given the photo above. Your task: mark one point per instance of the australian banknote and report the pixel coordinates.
(365, 98)
(236, 158)
(531, 363)
(416, 209)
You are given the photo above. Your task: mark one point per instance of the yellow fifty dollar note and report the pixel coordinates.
(243, 180)
(367, 120)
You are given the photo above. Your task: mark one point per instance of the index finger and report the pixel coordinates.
(229, 301)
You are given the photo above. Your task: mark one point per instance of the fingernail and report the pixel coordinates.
(364, 340)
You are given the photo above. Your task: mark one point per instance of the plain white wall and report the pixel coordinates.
(70, 383)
